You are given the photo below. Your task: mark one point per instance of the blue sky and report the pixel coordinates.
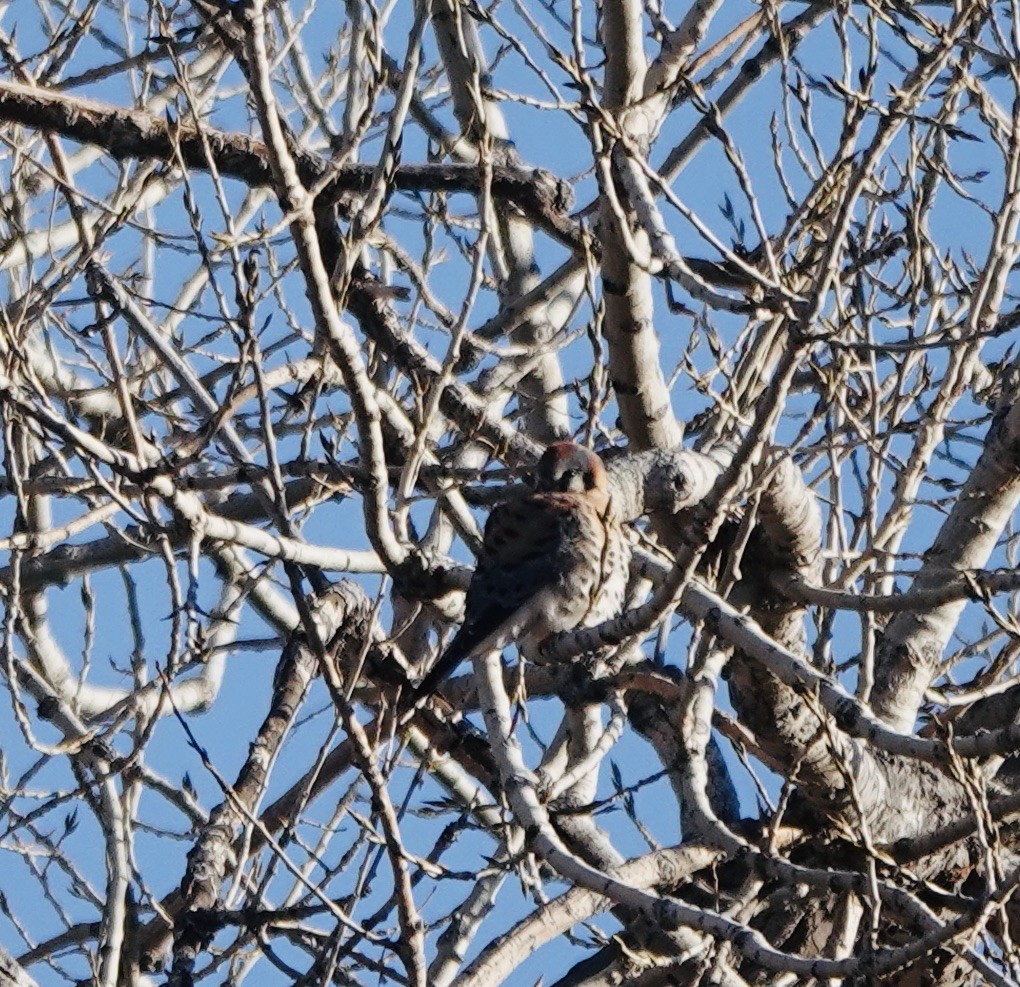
(545, 138)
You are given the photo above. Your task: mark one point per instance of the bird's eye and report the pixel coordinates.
(589, 480)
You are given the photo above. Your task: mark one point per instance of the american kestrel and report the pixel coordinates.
(551, 561)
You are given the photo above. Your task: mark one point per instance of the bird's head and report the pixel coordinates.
(569, 468)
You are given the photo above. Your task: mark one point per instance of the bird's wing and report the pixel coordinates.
(521, 555)
(522, 549)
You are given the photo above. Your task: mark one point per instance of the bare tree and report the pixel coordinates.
(298, 292)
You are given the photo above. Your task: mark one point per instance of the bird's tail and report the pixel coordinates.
(435, 676)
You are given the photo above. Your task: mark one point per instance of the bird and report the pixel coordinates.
(553, 560)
